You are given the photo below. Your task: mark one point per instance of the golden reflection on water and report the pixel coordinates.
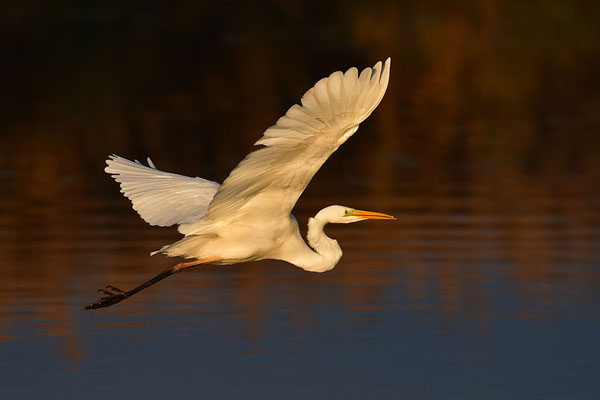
(485, 149)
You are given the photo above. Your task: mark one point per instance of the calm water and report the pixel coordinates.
(485, 148)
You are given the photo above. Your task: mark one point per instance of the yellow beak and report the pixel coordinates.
(370, 215)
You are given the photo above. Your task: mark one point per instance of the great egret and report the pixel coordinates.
(249, 218)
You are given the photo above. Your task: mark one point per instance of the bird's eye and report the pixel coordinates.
(346, 212)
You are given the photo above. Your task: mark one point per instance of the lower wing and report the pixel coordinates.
(162, 198)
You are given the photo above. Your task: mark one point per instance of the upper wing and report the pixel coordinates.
(269, 181)
(162, 198)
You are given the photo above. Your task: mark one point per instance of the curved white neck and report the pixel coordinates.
(328, 252)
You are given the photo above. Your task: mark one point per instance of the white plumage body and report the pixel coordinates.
(249, 217)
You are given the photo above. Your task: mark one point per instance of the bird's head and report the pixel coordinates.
(346, 215)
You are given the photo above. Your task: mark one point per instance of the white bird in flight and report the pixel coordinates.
(248, 217)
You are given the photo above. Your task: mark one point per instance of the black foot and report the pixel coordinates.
(113, 296)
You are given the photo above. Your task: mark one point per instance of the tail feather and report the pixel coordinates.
(189, 247)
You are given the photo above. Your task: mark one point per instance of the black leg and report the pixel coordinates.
(115, 295)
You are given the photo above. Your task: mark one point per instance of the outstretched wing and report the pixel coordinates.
(268, 181)
(162, 198)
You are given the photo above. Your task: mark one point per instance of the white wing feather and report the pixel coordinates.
(268, 182)
(162, 198)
